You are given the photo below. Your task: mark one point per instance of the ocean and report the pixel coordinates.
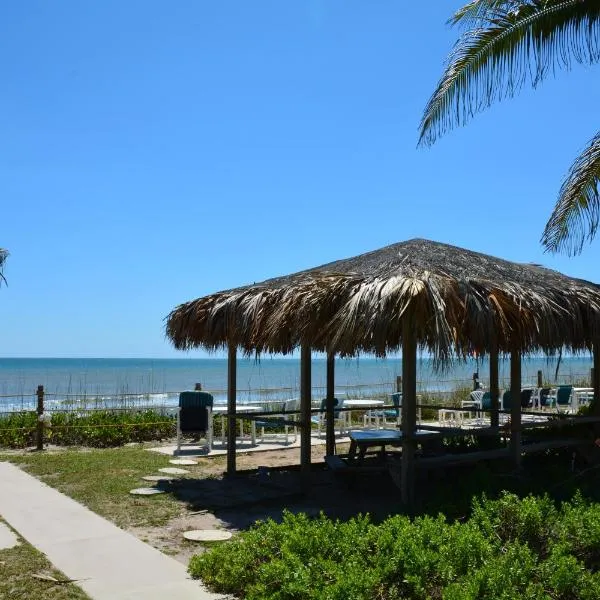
(104, 382)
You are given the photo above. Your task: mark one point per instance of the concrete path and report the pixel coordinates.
(111, 563)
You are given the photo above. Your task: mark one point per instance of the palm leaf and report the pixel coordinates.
(575, 216)
(481, 10)
(513, 43)
(3, 257)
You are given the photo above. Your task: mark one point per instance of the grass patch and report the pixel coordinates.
(17, 567)
(102, 479)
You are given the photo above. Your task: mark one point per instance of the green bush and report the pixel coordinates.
(508, 549)
(100, 429)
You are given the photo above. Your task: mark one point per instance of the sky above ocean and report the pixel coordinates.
(155, 152)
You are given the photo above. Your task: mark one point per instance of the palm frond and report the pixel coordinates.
(513, 44)
(481, 10)
(3, 257)
(577, 211)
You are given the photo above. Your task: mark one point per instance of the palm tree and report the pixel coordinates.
(3, 257)
(505, 44)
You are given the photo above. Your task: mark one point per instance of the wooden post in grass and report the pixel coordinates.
(515, 407)
(231, 406)
(494, 387)
(305, 407)
(40, 422)
(540, 378)
(330, 413)
(399, 383)
(409, 409)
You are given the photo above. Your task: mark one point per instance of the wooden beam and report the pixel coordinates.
(305, 407)
(515, 410)
(231, 406)
(409, 409)
(494, 387)
(330, 413)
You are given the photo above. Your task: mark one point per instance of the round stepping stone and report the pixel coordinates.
(156, 478)
(183, 461)
(207, 535)
(146, 491)
(173, 471)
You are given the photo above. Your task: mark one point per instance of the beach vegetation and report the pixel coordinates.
(100, 429)
(509, 548)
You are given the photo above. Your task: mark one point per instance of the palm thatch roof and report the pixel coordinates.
(457, 301)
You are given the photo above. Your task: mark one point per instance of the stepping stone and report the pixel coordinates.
(7, 538)
(183, 461)
(157, 478)
(173, 471)
(146, 491)
(207, 535)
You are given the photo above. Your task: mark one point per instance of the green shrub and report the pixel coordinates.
(508, 549)
(101, 429)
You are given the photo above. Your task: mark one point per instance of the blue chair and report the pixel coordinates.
(194, 416)
(383, 415)
(320, 419)
(563, 395)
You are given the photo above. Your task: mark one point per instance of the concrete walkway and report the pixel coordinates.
(111, 563)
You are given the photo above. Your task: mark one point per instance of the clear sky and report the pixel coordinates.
(153, 152)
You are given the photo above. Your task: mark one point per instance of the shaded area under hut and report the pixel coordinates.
(412, 295)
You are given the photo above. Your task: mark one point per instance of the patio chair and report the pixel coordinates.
(194, 416)
(320, 419)
(539, 397)
(563, 395)
(273, 423)
(382, 415)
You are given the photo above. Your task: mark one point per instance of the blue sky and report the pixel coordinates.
(154, 152)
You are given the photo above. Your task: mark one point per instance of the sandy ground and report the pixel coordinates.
(169, 538)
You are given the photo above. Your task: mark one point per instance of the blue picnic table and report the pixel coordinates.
(362, 440)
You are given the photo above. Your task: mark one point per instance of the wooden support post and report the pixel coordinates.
(409, 409)
(515, 399)
(494, 387)
(540, 379)
(305, 407)
(330, 412)
(231, 407)
(40, 423)
(399, 383)
(596, 379)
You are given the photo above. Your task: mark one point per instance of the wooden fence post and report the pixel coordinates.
(40, 422)
(540, 379)
(399, 383)
(198, 387)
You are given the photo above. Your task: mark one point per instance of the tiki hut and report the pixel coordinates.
(415, 294)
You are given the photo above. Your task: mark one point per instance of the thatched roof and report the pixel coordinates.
(457, 300)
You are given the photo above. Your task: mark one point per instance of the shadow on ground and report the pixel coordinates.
(267, 492)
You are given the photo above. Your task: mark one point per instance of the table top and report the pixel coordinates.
(361, 403)
(383, 435)
(238, 409)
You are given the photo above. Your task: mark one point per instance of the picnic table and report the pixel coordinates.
(362, 440)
